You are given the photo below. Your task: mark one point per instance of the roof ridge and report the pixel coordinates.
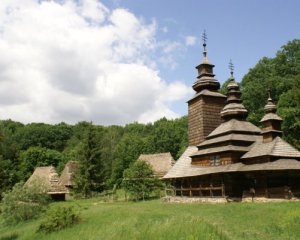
(155, 153)
(274, 145)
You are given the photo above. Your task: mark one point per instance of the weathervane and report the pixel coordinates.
(204, 38)
(231, 67)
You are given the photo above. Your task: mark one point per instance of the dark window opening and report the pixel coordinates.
(214, 160)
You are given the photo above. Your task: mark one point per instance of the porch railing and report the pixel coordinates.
(190, 191)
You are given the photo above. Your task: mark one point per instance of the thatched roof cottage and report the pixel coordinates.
(48, 177)
(161, 163)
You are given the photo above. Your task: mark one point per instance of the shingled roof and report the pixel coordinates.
(277, 148)
(206, 92)
(48, 177)
(67, 174)
(231, 148)
(270, 116)
(160, 162)
(234, 125)
(230, 137)
(280, 164)
(184, 168)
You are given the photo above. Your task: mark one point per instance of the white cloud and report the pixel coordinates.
(77, 60)
(165, 30)
(171, 51)
(190, 40)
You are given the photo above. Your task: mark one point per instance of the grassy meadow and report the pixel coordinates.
(156, 220)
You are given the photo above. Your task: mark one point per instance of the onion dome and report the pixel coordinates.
(271, 122)
(270, 111)
(205, 79)
(234, 109)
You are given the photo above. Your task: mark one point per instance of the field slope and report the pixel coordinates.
(156, 220)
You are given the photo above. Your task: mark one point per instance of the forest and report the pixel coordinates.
(114, 148)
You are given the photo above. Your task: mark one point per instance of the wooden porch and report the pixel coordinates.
(201, 191)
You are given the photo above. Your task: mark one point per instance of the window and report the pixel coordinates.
(214, 160)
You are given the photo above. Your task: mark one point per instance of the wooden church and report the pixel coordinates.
(227, 156)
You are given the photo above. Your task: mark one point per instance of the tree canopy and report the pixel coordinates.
(280, 75)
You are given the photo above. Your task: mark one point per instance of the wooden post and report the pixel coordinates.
(191, 194)
(210, 191)
(223, 186)
(223, 190)
(200, 192)
(181, 188)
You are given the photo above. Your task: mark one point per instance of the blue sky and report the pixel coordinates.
(119, 61)
(244, 31)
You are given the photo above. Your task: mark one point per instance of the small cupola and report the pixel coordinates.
(205, 79)
(234, 109)
(271, 122)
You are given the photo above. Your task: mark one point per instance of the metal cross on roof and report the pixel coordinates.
(231, 67)
(204, 37)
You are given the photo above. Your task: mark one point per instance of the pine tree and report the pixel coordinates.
(89, 176)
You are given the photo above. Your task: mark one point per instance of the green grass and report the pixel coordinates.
(156, 220)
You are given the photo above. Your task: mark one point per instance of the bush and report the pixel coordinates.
(139, 181)
(23, 202)
(59, 217)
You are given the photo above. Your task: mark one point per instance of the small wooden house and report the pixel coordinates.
(161, 163)
(48, 177)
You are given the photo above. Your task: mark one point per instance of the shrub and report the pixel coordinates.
(139, 181)
(23, 202)
(59, 217)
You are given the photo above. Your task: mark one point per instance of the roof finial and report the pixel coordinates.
(269, 95)
(231, 68)
(234, 108)
(270, 106)
(204, 38)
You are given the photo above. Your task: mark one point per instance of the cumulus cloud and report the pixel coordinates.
(190, 40)
(78, 60)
